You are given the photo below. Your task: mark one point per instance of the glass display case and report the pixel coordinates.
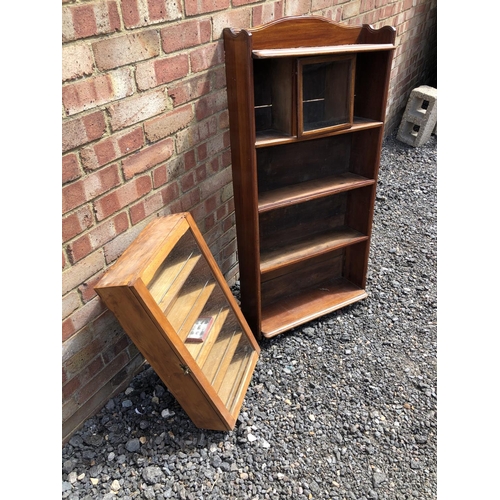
(170, 297)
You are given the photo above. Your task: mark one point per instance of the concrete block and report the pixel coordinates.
(420, 117)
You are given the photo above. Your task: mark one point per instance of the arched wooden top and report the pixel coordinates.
(311, 31)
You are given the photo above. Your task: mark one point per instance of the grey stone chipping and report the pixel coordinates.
(342, 408)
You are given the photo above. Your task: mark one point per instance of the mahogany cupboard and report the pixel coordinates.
(307, 101)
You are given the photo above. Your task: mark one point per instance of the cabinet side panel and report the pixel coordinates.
(239, 77)
(157, 350)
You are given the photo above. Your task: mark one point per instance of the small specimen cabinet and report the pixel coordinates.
(307, 100)
(170, 297)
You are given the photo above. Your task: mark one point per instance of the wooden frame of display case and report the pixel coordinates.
(304, 180)
(160, 289)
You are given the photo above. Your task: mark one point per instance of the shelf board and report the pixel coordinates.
(309, 190)
(273, 137)
(170, 279)
(193, 310)
(307, 305)
(323, 50)
(187, 307)
(235, 375)
(310, 247)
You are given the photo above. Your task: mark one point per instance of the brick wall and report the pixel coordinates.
(145, 133)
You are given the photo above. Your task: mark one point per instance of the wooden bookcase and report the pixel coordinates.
(164, 286)
(307, 101)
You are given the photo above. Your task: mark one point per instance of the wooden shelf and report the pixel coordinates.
(305, 191)
(170, 278)
(307, 100)
(267, 138)
(308, 248)
(320, 50)
(312, 303)
(188, 308)
(236, 375)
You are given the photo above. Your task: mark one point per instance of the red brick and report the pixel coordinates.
(115, 349)
(98, 237)
(73, 195)
(127, 49)
(86, 289)
(159, 10)
(187, 139)
(268, 12)
(69, 388)
(168, 123)
(211, 104)
(76, 223)
(160, 176)
(70, 168)
(366, 5)
(190, 199)
(123, 196)
(95, 125)
(215, 183)
(96, 18)
(130, 13)
(131, 141)
(189, 160)
(84, 22)
(201, 173)
(67, 329)
(80, 131)
(216, 144)
(137, 109)
(146, 207)
(202, 151)
(185, 34)
(235, 18)
(224, 120)
(210, 204)
(77, 61)
(206, 57)
(114, 23)
(79, 248)
(96, 91)
(88, 188)
(148, 157)
(112, 148)
(219, 78)
(170, 194)
(102, 378)
(187, 182)
(214, 166)
(187, 90)
(171, 68)
(194, 7)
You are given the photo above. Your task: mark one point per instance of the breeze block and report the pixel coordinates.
(420, 116)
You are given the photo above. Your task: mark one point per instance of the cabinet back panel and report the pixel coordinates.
(298, 277)
(281, 166)
(370, 84)
(299, 222)
(273, 95)
(365, 155)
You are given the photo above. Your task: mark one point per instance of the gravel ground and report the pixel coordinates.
(344, 407)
